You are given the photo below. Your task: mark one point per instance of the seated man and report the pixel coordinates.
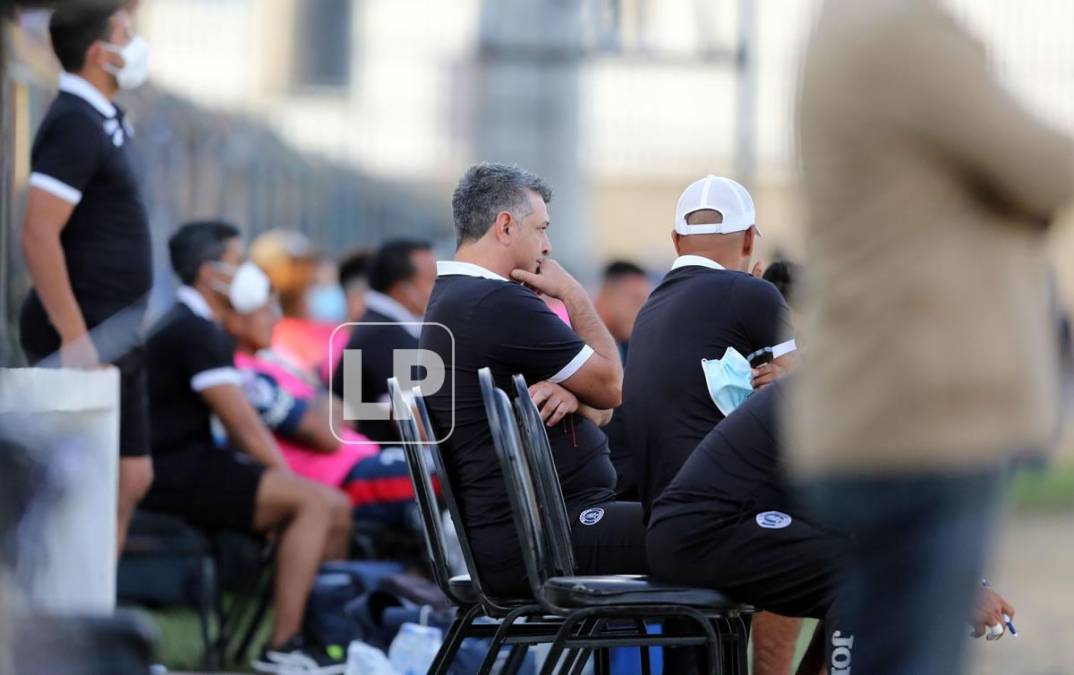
(401, 277)
(728, 521)
(501, 217)
(192, 380)
(299, 415)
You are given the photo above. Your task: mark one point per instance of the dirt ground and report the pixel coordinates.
(1033, 567)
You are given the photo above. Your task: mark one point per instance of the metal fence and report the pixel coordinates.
(198, 164)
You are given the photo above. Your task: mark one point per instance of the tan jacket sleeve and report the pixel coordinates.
(943, 93)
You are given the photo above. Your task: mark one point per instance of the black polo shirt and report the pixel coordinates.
(377, 344)
(187, 352)
(506, 327)
(82, 154)
(697, 312)
(737, 468)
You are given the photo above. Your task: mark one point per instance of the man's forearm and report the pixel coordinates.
(591, 329)
(595, 415)
(48, 269)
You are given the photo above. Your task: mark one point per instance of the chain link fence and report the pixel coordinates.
(200, 164)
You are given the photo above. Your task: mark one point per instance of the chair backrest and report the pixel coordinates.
(448, 494)
(435, 544)
(553, 508)
(519, 483)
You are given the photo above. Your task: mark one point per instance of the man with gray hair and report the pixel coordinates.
(488, 299)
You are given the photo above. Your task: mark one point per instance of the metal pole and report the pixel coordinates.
(746, 113)
(528, 99)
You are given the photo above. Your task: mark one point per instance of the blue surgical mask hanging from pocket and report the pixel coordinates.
(728, 380)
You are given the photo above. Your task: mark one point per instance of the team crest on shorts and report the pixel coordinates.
(773, 520)
(591, 516)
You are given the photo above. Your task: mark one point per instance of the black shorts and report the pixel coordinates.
(209, 487)
(133, 393)
(607, 538)
(771, 560)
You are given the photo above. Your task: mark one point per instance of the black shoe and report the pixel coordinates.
(297, 657)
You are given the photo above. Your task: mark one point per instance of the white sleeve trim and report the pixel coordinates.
(215, 376)
(784, 348)
(55, 187)
(571, 368)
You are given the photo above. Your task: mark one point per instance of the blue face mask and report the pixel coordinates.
(728, 380)
(327, 303)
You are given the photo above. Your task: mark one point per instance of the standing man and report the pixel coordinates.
(706, 306)
(401, 277)
(86, 233)
(931, 353)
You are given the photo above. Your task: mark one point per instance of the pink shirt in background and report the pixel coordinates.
(329, 469)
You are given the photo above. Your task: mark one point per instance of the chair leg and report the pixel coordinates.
(565, 631)
(445, 656)
(255, 621)
(643, 650)
(515, 658)
(498, 637)
(581, 656)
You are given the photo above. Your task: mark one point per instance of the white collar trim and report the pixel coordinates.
(391, 308)
(696, 260)
(80, 87)
(195, 301)
(446, 268)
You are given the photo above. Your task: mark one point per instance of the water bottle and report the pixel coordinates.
(363, 659)
(414, 648)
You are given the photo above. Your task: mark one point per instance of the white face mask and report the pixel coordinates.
(249, 290)
(135, 70)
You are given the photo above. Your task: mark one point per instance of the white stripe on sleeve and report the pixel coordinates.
(783, 348)
(571, 368)
(55, 187)
(214, 377)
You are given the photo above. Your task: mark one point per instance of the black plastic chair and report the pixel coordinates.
(587, 603)
(465, 591)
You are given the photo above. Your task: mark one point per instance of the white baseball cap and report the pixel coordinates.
(715, 193)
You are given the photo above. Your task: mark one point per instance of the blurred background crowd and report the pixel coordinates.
(326, 129)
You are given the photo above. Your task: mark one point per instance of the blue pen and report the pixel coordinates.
(1006, 619)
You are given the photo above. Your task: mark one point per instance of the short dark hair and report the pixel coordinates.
(197, 243)
(76, 25)
(487, 189)
(618, 269)
(355, 266)
(391, 263)
(787, 277)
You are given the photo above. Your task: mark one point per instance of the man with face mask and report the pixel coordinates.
(245, 486)
(688, 368)
(86, 234)
(401, 277)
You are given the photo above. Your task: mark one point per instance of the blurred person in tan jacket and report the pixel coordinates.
(932, 355)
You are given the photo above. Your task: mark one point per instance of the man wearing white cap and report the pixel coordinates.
(688, 365)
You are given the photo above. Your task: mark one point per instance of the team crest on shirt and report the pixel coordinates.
(591, 516)
(773, 520)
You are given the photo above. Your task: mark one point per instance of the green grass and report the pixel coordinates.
(1050, 489)
(181, 646)
(1029, 490)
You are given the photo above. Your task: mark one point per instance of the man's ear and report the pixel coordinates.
(747, 242)
(97, 55)
(675, 238)
(503, 228)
